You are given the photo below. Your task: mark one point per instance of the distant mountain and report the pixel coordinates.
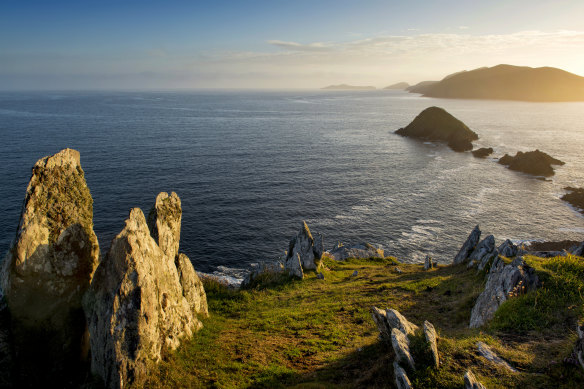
(507, 82)
(348, 87)
(399, 85)
(420, 87)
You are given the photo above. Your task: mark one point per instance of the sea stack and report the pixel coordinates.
(435, 124)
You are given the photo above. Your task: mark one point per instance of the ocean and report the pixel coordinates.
(249, 166)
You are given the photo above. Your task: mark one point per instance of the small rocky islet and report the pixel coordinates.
(74, 318)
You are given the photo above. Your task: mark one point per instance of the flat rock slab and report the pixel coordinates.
(401, 347)
(486, 352)
(471, 382)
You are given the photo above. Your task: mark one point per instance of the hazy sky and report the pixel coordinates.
(278, 43)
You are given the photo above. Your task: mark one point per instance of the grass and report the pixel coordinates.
(283, 332)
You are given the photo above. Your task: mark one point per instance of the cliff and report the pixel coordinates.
(507, 82)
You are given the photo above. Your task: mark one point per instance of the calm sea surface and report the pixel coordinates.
(249, 166)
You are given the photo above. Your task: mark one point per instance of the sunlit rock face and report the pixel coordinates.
(145, 297)
(49, 267)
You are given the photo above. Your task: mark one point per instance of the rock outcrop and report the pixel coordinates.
(401, 378)
(380, 318)
(503, 282)
(49, 267)
(435, 124)
(536, 163)
(263, 267)
(361, 250)
(398, 321)
(483, 152)
(401, 347)
(575, 197)
(142, 300)
(468, 246)
(508, 249)
(486, 352)
(483, 253)
(308, 248)
(432, 339)
(293, 266)
(471, 382)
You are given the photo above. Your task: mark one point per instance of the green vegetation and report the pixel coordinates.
(282, 332)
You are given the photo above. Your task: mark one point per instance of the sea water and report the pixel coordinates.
(249, 166)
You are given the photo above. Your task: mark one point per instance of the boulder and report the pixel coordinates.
(486, 352)
(303, 245)
(320, 276)
(536, 163)
(432, 338)
(483, 152)
(508, 249)
(401, 378)
(380, 318)
(435, 124)
(468, 246)
(401, 348)
(355, 273)
(164, 222)
(136, 306)
(263, 267)
(293, 266)
(48, 269)
(397, 320)
(502, 283)
(471, 382)
(361, 250)
(577, 250)
(483, 253)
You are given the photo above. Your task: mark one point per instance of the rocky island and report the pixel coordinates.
(575, 197)
(507, 82)
(536, 163)
(348, 87)
(483, 152)
(435, 124)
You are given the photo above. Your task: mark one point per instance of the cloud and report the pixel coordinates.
(294, 46)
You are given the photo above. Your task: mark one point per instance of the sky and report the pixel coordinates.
(131, 44)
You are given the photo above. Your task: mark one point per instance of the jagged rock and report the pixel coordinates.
(503, 281)
(320, 276)
(380, 318)
(318, 245)
(471, 382)
(428, 263)
(361, 250)
(192, 286)
(468, 246)
(293, 266)
(577, 250)
(401, 378)
(303, 245)
(401, 347)
(49, 267)
(508, 249)
(164, 222)
(435, 124)
(486, 352)
(579, 348)
(136, 306)
(483, 152)
(397, 320)
(536, 163)
(483, 253)
(431, 338)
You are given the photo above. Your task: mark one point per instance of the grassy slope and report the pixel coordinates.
(316, 333)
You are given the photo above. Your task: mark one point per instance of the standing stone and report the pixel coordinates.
(401, 347)
(431, 338)
(401, 379)
(508, 249)
(48, 269)
(164, 222)
(136, 307)
(380, 319)
(428, 264)
(471, 382)
(502, 281)
(468, 246)
(397, 320)
(303, 245)
(293, 266)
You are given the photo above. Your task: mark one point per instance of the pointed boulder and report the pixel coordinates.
(304, 245)
(468, 246)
